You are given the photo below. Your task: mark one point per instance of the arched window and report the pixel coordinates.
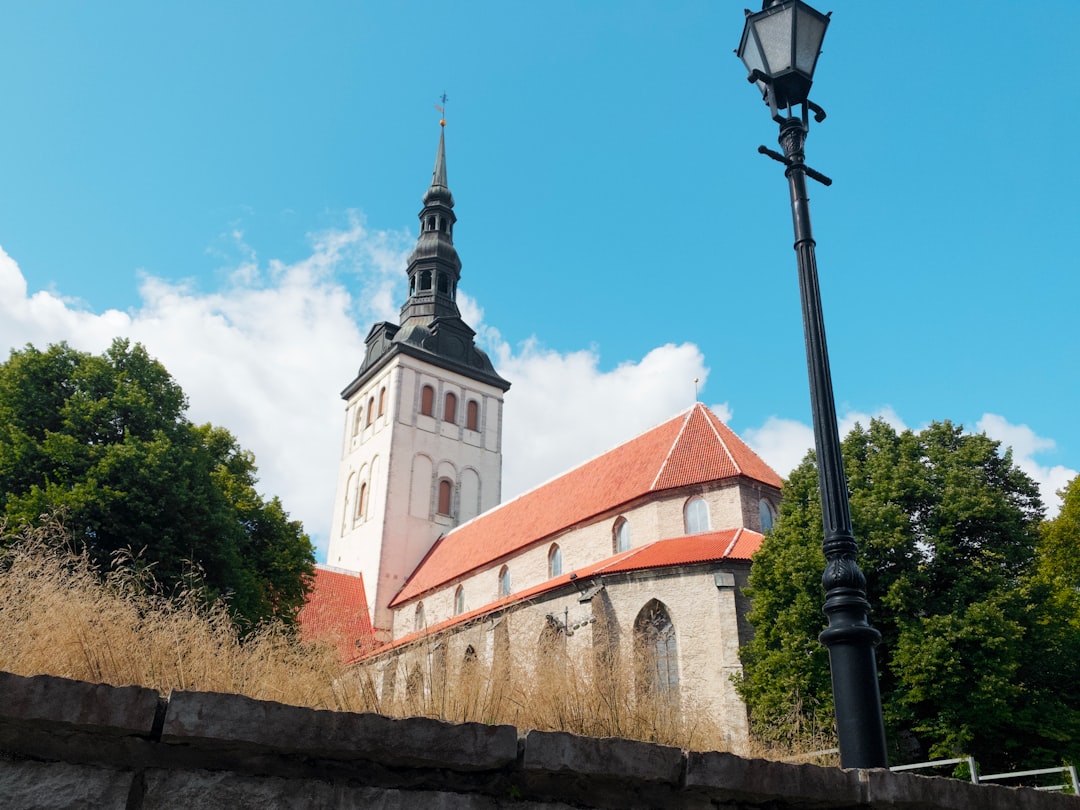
(361, 502)
(472, 415)
(419, 621)
(370, 411)
(444, 283)
(459, 600)
(382, 400)
(450, 408)
(554, 560)
(765, 513)
(357, 417)
(696, 516)
(657, 654)
(504, 582)
(427, 401)
(445, 491)
(621, 535)
(425, 280)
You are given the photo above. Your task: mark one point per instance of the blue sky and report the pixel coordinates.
(236, 185)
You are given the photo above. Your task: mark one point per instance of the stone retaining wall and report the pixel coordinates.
(69, 744)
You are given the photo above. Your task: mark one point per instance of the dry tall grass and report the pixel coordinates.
(60, 615)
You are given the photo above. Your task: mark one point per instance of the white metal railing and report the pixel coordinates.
(935, 763)
(1068, 769)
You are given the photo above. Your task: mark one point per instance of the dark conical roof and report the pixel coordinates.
(431, 327)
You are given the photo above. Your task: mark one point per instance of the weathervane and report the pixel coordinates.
(442, 109)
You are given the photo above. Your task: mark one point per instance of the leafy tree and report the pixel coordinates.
(104, 440)
(948, 529)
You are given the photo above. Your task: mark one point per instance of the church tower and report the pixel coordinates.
(422, 447)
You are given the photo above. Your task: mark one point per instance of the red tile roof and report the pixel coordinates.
(694, 447)
(729, 544)
(336, 610)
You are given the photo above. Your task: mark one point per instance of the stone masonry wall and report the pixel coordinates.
(69, 744)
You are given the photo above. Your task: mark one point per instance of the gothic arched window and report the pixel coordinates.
(419, 621)
(554, 560)
(621, 535)
(504, 582)
(427, 401)
(657, 654)
(382, 400)
(459, 600)
(765, 513)
(472, 415)
(370, 411)
(696, 516)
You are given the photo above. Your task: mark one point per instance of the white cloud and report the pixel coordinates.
(563, 410)
(783, 443)
(267, 355)
(1025, 446)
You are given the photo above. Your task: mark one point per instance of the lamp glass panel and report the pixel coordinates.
(774, 32)
(749, 51)
(809, 33)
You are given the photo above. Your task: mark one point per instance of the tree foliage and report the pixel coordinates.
(971, 652)
(104, 441)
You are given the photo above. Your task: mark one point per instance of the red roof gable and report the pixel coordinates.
(729, 544)
(692, 448)
(336, 610)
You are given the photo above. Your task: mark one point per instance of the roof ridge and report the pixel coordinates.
(723, 444)
(675, 443)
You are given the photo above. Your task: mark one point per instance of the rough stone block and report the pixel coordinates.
(610, 758)
(726, 776)
(230, 791)
(232, 721)
(887, 790)
(30, 785)
(97, 707)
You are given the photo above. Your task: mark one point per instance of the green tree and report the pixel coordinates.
(104, 441)
(948, 528)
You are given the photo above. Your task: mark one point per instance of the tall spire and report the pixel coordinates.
(430, 326)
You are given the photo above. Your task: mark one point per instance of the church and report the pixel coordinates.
(641, 554)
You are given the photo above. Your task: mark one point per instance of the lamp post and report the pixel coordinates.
(780, 46)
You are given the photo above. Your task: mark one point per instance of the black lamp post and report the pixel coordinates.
(780, 47)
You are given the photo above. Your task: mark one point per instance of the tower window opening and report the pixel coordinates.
(445, 491)
(425, 280)
(450, 408)
(412, 285)
(370, 411)
(444, 283)
(427, 401)
(382, 400)
(430, 223)
(459, 600)
(472, 415)
(361, 502)
(357, 420)
(442, 224)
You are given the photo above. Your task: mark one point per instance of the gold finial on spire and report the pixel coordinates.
(442, 110)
